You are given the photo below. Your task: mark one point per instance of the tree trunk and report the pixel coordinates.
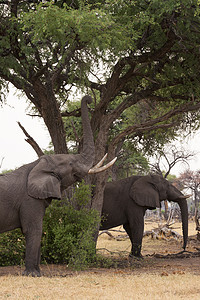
(166, 214)
(47, 105)
(88, 151)
(100, 179)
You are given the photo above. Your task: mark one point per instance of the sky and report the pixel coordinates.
(15, 151)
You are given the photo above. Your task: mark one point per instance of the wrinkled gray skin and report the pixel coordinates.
(126, 201)
(26, 192)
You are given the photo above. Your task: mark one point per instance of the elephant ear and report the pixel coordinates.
(144, 192)
(42, 181)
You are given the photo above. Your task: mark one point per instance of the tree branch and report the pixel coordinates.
(1, 162)
(149, 125)
(31, 141)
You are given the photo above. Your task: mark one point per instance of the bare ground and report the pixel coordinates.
(160, 257)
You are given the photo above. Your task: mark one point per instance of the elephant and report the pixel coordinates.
(126, 201)
(26, 192)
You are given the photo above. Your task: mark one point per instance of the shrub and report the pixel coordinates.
(68, 235)
(68, 232)
(12, 248)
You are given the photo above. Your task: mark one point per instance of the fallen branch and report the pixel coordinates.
(182, 254)
(113, 252)
(107, 232)
(163, 232)
(117, 237)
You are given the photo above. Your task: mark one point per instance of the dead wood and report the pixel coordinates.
(182, 254)
(163, 232)
(31, 141)
(1, 162)
(117, 237)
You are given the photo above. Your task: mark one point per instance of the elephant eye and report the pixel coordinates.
(56, 175)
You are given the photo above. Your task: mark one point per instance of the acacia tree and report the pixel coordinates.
(139, 59)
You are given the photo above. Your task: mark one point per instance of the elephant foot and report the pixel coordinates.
(31, 272)
(136, 256)
(136, 251)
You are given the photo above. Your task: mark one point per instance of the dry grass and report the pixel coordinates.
(152, 279)
(114, 285)
(150, 246)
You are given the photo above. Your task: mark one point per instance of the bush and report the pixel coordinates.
(67, 234)
(12, 248)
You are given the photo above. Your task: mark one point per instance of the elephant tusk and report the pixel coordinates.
(100, 163)
(97, 170)
(185, 196)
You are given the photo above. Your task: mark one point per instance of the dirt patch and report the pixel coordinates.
(150, 265)
(169, 263)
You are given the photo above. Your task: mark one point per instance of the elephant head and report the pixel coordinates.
(150, 190)
(54, 173)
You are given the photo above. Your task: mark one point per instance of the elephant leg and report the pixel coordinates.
(32, 257)
(31, 221)
(135, 230)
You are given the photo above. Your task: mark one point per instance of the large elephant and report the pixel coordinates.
(26, 192)
(126, 201)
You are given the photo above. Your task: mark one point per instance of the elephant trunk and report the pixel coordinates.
(184, 215)
(88, 151)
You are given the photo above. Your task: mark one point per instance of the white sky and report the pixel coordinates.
(189, 145)
(16, 151)
(13, 147)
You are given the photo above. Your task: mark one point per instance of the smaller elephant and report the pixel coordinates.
(126, 201)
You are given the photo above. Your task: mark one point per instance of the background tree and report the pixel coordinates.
(191, 180)
(168, 157)
(139, 60)
(165, 159)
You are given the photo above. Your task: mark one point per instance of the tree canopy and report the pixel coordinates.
(138, 59)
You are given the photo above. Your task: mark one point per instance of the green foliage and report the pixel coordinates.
(5, 171)
(68, 232)
(12, 248)
(147, 142)
(170, 177)
(131, 161)
(138, 55)
(60, 26)
(68, 236)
